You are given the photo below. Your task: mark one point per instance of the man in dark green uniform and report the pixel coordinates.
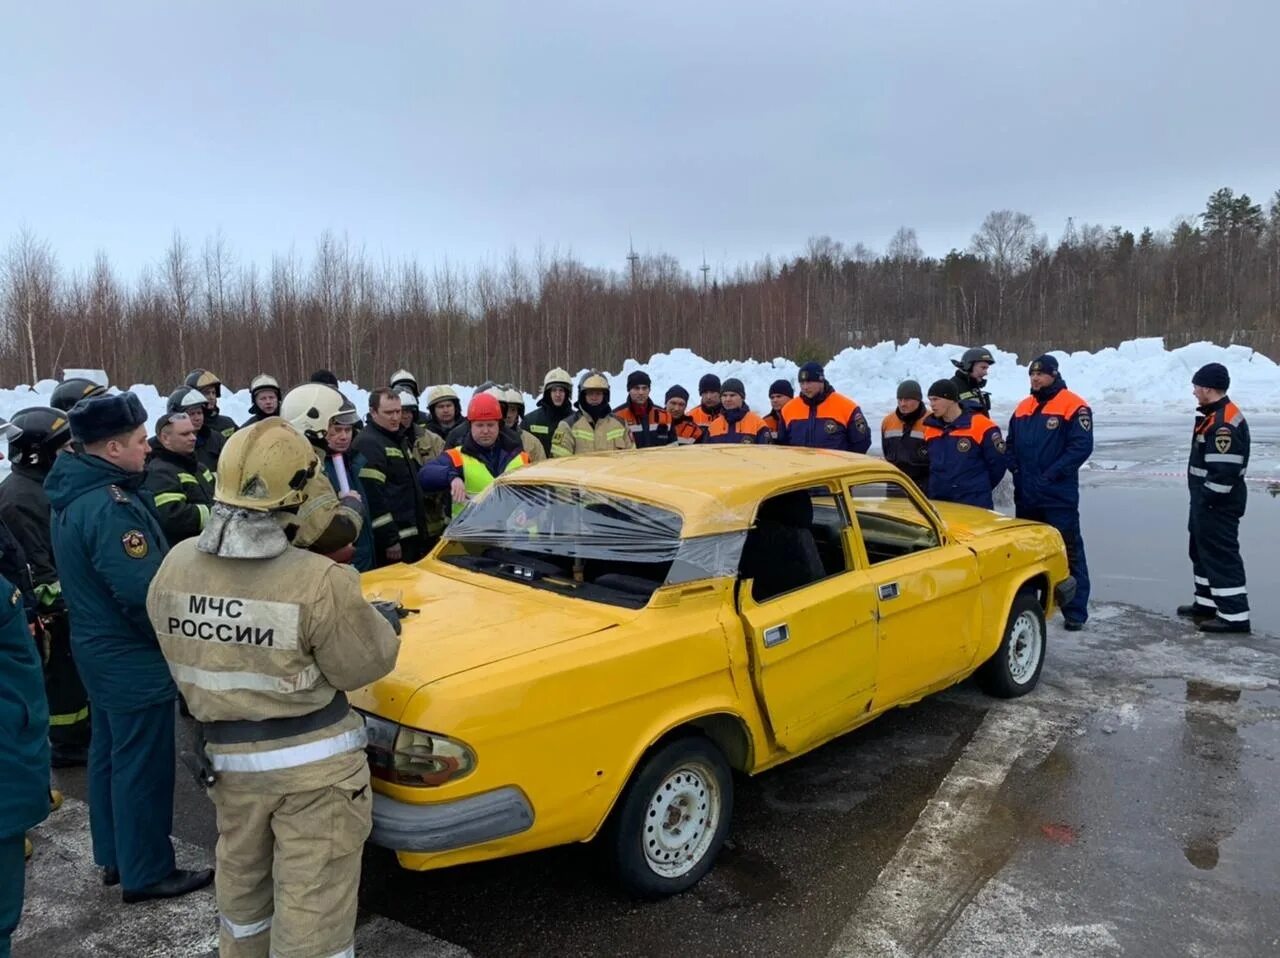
(24, 760)
(108, 544)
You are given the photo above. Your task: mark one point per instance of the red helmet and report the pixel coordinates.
(484, 408)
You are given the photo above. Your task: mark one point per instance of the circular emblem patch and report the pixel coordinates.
(999, 444)
(1052, 422)
(831, 427)
(135, 544)
(964, 444)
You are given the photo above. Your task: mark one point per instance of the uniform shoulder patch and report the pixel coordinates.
(1085, 418)
(1223, 431)
(1220, 442)
(117, 494)
(15, 598)
(999, 444)
(135, 544)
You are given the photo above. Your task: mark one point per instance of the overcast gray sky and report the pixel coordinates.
(461, 130)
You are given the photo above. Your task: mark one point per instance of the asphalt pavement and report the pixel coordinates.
(1126, 807)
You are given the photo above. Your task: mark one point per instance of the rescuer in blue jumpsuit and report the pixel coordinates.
(1050, 437)
(108, 544)
(967, 456)
(24, 759)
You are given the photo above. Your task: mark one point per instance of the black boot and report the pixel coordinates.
(110, 876)
(180, 881)
(1196, 611)
(1222, 626)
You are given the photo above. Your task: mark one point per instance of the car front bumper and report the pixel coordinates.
(442, 826)
(1064, 591)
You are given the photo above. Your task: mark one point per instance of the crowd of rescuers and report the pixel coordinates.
(94, 504)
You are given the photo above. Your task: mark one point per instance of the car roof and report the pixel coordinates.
(716, 488)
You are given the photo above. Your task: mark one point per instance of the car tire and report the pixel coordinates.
(672, 819)
(1014, 669)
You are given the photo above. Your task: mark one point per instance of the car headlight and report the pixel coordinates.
(410, 756)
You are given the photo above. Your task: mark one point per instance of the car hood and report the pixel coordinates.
(466, 620)
(966, 523)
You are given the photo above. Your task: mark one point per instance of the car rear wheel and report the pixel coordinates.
(1015, 668)
(673, 818)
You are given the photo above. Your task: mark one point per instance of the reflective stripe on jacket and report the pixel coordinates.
(649, 427)
(259, 639)
(475, 474)
(902, 443)
(1219, 454)
(1050, 437)
(966, 459)
(578, 434)
(183, 491)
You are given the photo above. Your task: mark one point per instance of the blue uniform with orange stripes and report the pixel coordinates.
(828, 421)
(1215, 479)
(966, 458)
(1050, 437)
(739, 425)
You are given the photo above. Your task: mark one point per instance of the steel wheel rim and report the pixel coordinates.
(681, 819)
(1026, 645)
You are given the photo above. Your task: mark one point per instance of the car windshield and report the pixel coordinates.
(583, 542)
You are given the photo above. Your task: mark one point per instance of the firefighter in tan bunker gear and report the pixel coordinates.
(263, 639)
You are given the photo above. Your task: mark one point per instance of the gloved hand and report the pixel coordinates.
(389, 611)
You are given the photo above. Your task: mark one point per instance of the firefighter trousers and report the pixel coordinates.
(288, 869)
(68, 701)
(1216, 564)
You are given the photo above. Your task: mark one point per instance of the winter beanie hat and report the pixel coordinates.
(782, 387)
(944, 389)
(733, 386)
(811, 372)
(1212, 376)
(677, 392)
(910, 389)
(639, 378)
(710, 383)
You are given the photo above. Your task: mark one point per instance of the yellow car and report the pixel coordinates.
(599, 642)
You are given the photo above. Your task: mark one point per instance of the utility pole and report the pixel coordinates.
(633, 258)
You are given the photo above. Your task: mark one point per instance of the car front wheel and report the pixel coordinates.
(673, 818)
(1015, 668)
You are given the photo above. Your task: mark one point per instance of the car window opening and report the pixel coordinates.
(797, 539)
(583, 543)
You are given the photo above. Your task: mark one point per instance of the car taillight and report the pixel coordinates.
(410, 756)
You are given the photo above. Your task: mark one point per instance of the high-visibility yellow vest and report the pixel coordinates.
(476, 477)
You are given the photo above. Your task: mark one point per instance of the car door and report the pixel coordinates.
(813, 647)
(927, 590)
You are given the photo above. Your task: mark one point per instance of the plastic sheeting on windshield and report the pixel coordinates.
(579, 523)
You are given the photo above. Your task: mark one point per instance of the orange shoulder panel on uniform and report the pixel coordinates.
(455, 456)
(1026, 407)
(979, 426)
(1066, 404)
(701, 417)
(1231, 414)
(837, 407)
(795, 409)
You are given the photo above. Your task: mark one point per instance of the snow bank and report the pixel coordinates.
(1139, 376)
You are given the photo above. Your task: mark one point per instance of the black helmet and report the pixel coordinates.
(978, 354)
(202, 379)
(44, 431)
(66, 394)
(184, 398)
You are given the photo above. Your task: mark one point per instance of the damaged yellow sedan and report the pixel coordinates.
(599, 643)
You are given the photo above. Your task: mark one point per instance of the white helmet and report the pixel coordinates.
(263, 381)
(557, 377)
(402, 377)
(311, 407)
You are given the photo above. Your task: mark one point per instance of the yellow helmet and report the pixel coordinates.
(440, 393)
(513, 397)
(557, 377)
(593, 379)
(265, 467)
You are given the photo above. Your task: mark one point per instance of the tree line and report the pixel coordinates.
(1214, 276)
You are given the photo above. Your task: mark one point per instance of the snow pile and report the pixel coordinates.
(1139, 376)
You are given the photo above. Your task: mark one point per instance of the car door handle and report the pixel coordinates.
(889, 590)
(776, 635)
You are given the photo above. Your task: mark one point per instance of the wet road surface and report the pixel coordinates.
(1127, 807)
